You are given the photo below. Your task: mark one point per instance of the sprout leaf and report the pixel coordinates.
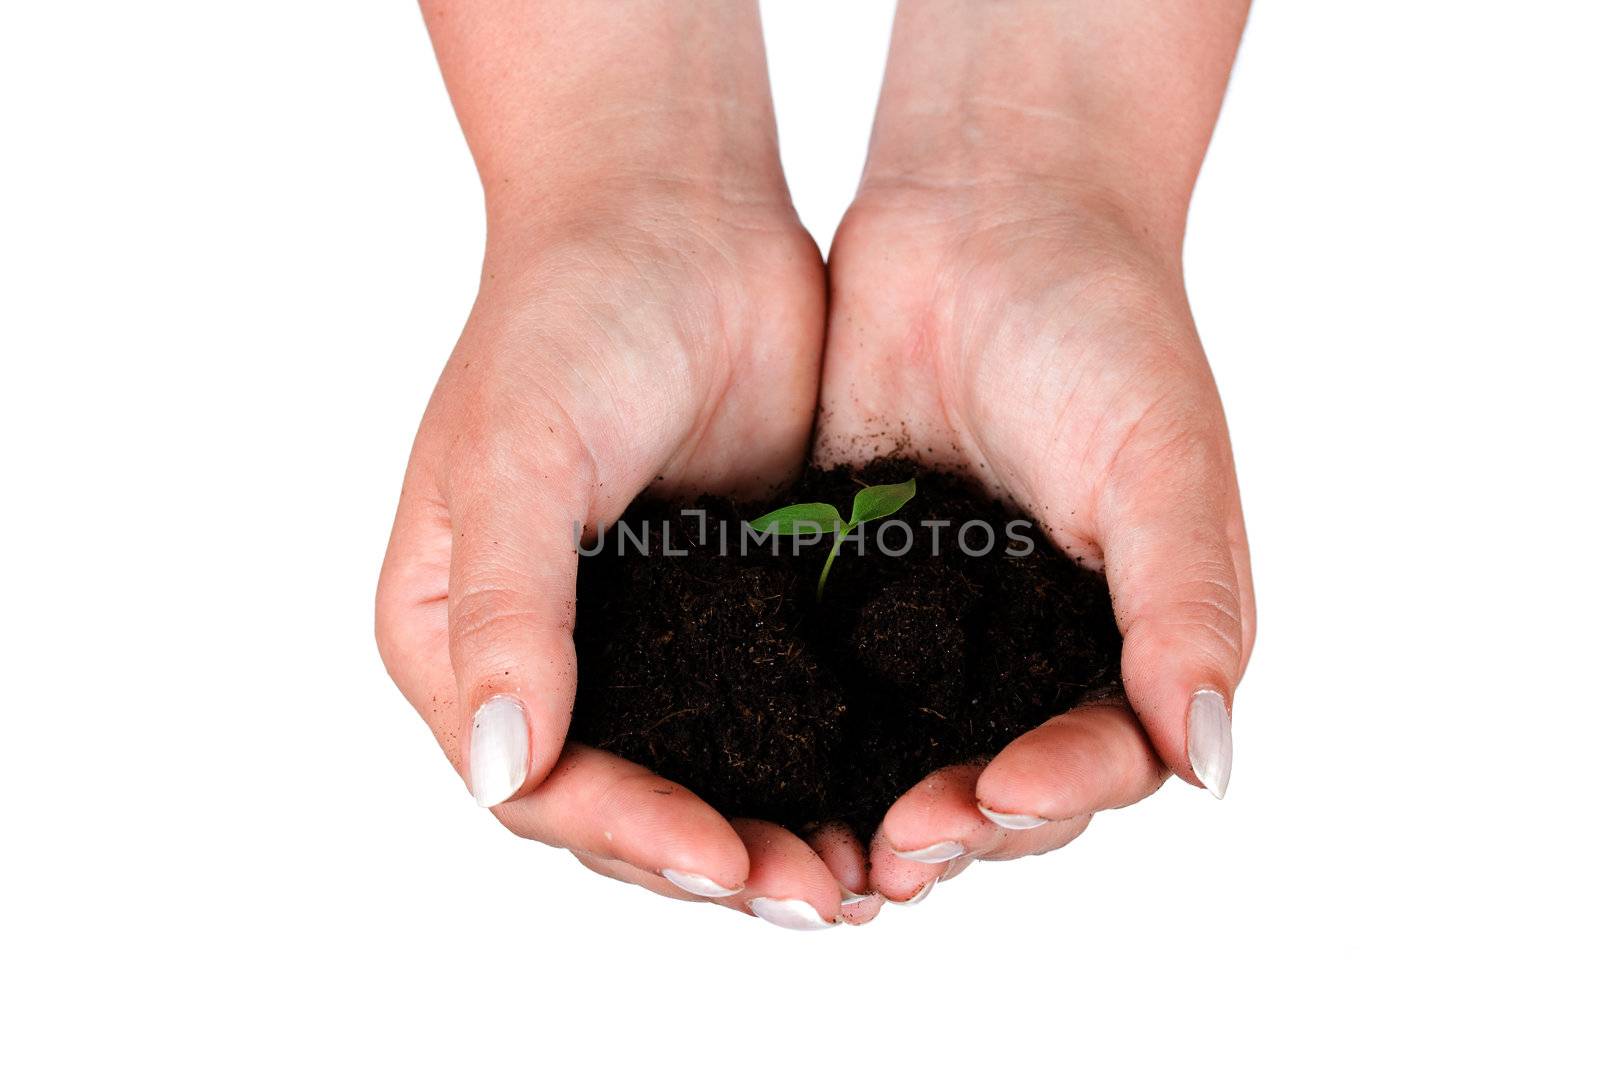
(799, 519)
(881, 501)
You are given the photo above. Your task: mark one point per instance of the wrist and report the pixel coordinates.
(636, 184)
(1098, 103)
(653, 143)
(1083, 220)
(568, 105)
(1003, 158)
(632, 209)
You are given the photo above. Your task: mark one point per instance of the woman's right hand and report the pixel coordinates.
(668, 339)
(650, 314)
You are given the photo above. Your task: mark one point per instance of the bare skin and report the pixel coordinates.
(651, 312)
(652, 317)
(1008, 299)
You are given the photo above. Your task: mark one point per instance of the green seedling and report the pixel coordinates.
(873, 502)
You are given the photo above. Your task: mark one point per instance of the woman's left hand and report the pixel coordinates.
(1042, 345)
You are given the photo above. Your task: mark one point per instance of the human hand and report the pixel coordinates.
(1049, 353)
(1007, 299)
(652, 319)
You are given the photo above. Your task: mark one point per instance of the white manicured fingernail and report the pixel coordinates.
(934, 853)
(920, 895)
(1008, 821)
(698, 884)
(847, 898)
(1211, 741)
(789, 914)
(497, 761)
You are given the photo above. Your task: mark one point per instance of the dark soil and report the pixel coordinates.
(724, 673)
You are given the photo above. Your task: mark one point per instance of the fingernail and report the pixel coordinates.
(920, 895)
(1008, 821)
(789, 914)
(1211, 741)
(846, 898)
(934, 853)
(497, 761)
(698, 884)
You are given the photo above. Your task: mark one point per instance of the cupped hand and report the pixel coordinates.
(1039, 340)
(668, 340)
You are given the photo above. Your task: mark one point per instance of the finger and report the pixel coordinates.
(788, 885)
(938, 820)
(859, 910)
(1164, 519)
(1092, 758)
(956, 867)
(602, 804)
(1047, 838)
(627, 872)
(899, 880)
(515, 506)
(839, 848)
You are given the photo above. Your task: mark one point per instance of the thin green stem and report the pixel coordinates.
(833, 554)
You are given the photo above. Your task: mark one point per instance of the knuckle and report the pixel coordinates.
(391, 628)
(1198, 614)
(484, 453)
(386, 632)
(1207, 614)
(1176, 436)
(1189, 445)
(384, 611)
(525, 444)
(480, 615)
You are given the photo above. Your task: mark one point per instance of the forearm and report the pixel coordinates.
(1100, 98)
(569, 100)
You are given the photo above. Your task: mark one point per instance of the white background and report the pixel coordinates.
(238, 241)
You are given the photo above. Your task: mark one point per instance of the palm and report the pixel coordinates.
(663, 353)
(1029, 350)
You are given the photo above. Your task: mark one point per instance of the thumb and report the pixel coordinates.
(1173, 542)
(512, 598)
